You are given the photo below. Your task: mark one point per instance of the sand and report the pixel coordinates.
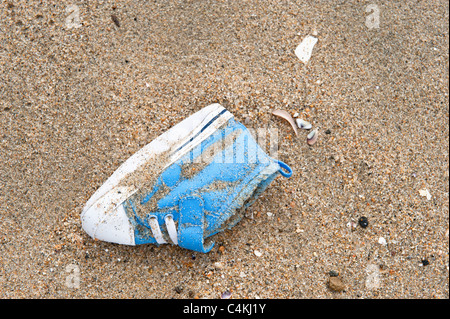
(78, 96)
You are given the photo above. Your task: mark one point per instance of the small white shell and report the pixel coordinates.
(303, 124)
(257, 253)
(425, 193)
(312, 137)
(351, 225)
(382, 241)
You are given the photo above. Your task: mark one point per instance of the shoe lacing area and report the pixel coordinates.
(156, 229)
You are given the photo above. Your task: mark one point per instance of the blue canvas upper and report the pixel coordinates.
(205, 200)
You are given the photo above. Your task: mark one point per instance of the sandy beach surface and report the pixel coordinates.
(85, 84)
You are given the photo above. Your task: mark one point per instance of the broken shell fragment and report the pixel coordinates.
(303, 124)
(304, 49)
(287, 117)
(312, 137)
(382, 241)
(226, 295)
(257, 253)
(425, 193)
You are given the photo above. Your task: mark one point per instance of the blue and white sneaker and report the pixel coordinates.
(185, 186)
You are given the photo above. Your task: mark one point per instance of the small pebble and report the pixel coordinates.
(425, 262)
(363, 222)
(336, 284)
(115, 20)
(257, 253)
(178, 289)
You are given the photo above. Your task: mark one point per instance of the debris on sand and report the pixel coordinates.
(336, 284)
(285, 115)
(303, 124)
(304, 49)
(312, 137)
(425, 193)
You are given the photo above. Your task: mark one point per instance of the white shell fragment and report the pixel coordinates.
(351, 225)
(382, 241)
(226, 295)
(304, 49)
(303, 124)
(257, 253)
(312, 137)
(287, 117)
(218, 265)
(425, 193)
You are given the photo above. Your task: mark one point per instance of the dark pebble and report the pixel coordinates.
(327, 132)
(333, 273)
(178, 289)
(425, 262)
(115, 20)
(363, 222)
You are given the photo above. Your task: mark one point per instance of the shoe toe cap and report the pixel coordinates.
(106, 220)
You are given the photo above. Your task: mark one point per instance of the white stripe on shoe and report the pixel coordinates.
(207, 127)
